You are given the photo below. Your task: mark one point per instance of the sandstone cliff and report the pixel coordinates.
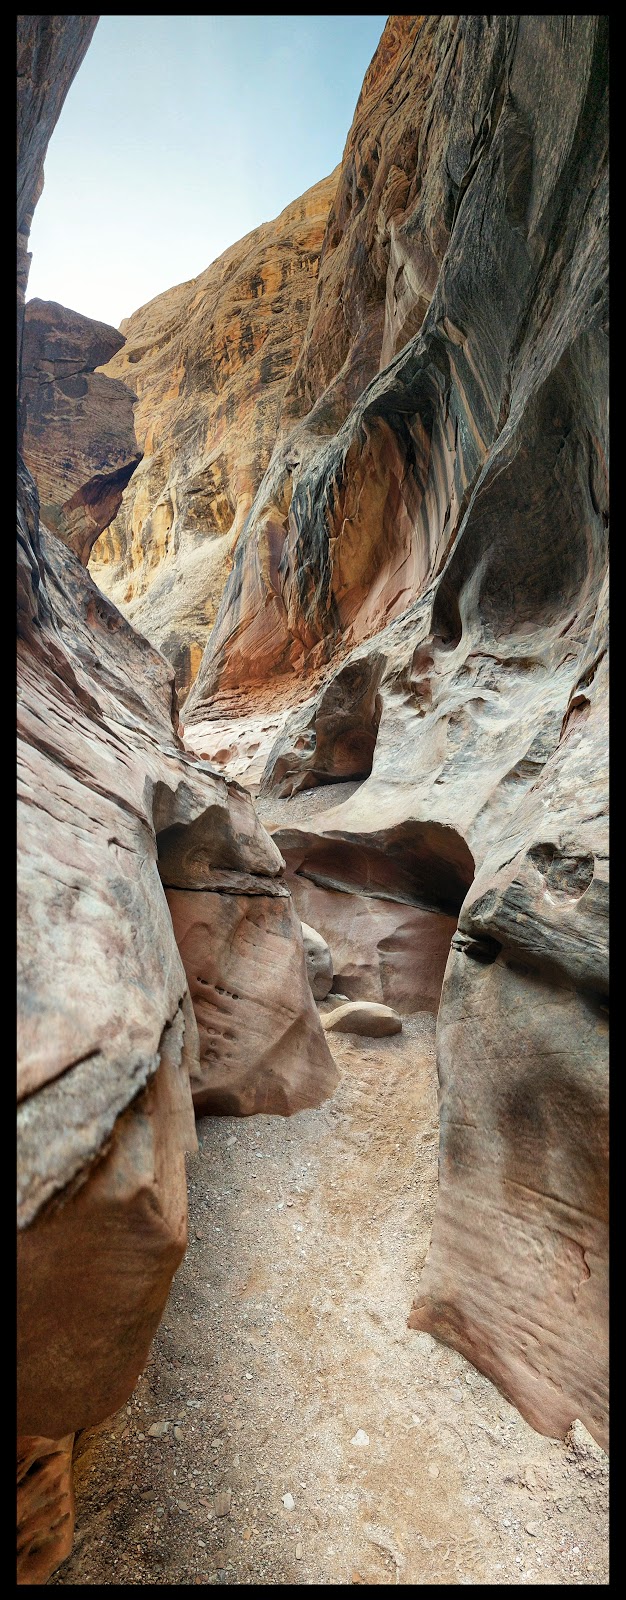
(114, 816)
(415, 630)
(418, 607)
(77, 425)
(209, 362)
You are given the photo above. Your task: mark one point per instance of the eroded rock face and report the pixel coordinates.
(209, 362)
(107, 1037)
(49, 53)
(45, 1506)
(261, 1049)
(363, 1017)
(523, 1064)
(437, 584)
(77, 425)
(319, 961)
(383, 950)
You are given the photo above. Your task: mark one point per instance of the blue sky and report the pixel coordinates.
(179, 135)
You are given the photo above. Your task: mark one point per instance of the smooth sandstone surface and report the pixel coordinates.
(260, 1044)
(364, 1017)
(107, 1036)
(404, 462)
(434, 626)
(319, 961)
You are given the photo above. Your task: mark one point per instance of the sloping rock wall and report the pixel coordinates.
(49, 53)
(109, 804)
(209, 362)
(77, 425)
(444, 552)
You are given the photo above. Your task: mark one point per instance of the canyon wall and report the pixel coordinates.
(375, 443)
(78, 435)
(208, 361)
(113, 816)
(418, 607)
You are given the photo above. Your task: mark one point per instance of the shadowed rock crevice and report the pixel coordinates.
(336, 741)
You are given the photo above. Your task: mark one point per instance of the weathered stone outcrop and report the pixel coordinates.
(209, 362)
(383, 949)
(522, 1045)
(257, 1020)
(77, 425)
(45, 1506)
(319, 961)
(436, 585)
(49, 53)
(109, 804)
(363, 1017)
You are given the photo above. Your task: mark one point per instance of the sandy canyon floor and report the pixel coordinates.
(302, 1433)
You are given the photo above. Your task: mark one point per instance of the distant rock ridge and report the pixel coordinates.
(77, 425)
(209, 362)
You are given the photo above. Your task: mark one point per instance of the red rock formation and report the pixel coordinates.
(45, 1506)
(258, 1026)
(78, 434)
(106, 1032)
(209, 362)
(49, 53)
(456, 517)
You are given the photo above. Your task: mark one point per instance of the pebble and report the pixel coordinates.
(157, 1429)
(178, 1433)
(531, 1527)
(221, 1503)
(248, 1375)
(433, 1471)
(299, 1552)
(289, 1502)
(360, 1438)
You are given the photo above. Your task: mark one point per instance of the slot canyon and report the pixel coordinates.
(313, 856)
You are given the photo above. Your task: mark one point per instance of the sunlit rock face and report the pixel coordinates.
(209, 362)
(78, 437)
(420, 584)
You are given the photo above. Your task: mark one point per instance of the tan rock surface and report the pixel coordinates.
(78, 433)
(45, 1506)
(319, 961)
(363, 1017)
(389, 952)
(453, 526)
(261, 1048)
(106, 1031)
(209, 362)
(49, 53)
(523, 1066)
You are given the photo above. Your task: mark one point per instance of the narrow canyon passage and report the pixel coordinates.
(283, 1367)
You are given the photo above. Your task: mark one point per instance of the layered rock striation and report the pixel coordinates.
(78, 436)
(421, 587)
(209, 362)
(112, 812)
